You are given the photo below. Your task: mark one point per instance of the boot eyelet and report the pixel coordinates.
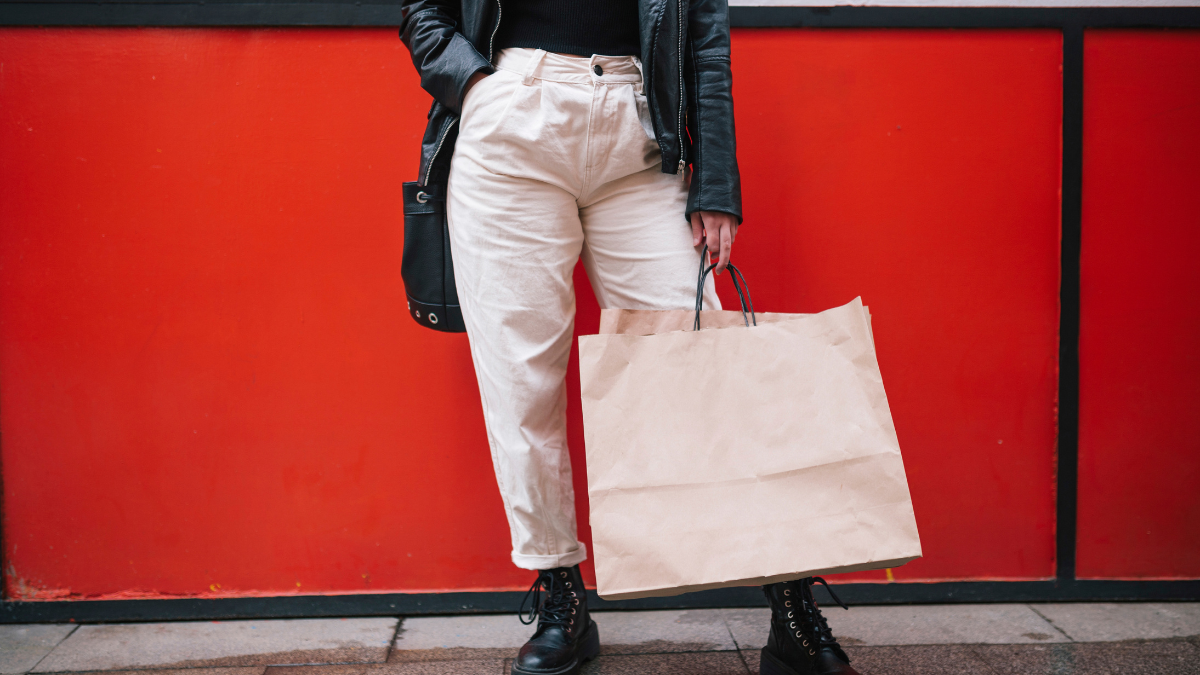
(562, 574)
(792, 625)
(572, 610)
(789, 615)
(577, 601)
(568, 584)
(811, 653)
(787, 603)
(804, 642)
(799, 634)
(786, 592)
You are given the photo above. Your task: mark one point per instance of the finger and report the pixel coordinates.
(726, 238)
(712, 240)
(697, 229)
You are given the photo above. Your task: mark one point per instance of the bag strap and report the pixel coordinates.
(743, 290)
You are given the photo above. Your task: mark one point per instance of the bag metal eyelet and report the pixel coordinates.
(433, 318)
(418, 313)
(422, 197)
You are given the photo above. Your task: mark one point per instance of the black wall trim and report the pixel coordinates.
(962, 17)
(1071, 21)
(1068, 332)
(351, 13)
(410, 604)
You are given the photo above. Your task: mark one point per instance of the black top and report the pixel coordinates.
(583, 27)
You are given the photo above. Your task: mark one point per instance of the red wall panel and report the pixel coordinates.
(920, 170)
(1139, 417)
(208, 383)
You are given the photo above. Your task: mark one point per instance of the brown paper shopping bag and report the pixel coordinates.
(739, 455)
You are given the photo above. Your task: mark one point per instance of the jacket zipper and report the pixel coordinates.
(491, 52)
(679, 128)
(495, 29)
(441, 140)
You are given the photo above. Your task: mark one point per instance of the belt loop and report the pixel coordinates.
(535, 60)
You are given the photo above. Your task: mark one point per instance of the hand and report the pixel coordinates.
(479, 75)
(718, 230)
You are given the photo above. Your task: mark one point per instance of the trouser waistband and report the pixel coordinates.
(538, 64)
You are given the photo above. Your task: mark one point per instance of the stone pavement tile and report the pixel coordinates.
(694, 663)
(653, 632)
(196, 644)
(913, 659)
(749, 627)
(1154, 657)
(479, 667)
(1108, 622)
(453, 638)
(484, 637)
(907, 660)
(912, 625)
(23, 645)
(233, 670)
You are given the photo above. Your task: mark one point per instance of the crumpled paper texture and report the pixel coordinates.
(781, 463)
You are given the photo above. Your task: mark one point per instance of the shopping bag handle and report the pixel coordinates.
(743, 291)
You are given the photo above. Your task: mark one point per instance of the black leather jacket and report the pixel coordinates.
(685, 56)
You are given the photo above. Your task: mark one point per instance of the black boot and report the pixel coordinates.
(566, 636)
(800, 642)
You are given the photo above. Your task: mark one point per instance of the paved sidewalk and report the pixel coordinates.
(1015, 639)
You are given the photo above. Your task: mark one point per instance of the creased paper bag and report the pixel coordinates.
(736, 455)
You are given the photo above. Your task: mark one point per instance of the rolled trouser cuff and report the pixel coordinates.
(549, 562)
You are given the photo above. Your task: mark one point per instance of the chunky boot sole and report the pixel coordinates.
(589, 648)
(769, 664)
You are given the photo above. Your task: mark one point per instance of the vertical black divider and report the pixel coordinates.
(1066, 514)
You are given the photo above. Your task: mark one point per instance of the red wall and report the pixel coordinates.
(1139, 421)
(209, 386)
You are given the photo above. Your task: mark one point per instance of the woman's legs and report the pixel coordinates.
(555, 159)
(515, 241)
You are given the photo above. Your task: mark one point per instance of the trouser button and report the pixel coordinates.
(597, 69)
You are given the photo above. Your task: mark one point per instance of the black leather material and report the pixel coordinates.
(566, 636)
(427, 268)
(685, 55)
(800, 641)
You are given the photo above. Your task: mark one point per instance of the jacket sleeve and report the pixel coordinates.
(444, 57)
(716, 184)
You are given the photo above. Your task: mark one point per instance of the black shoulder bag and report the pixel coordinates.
(427, 268)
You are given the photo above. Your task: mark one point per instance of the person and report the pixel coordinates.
(569, 129)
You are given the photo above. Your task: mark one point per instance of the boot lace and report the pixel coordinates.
(553, 604)
(816, 619)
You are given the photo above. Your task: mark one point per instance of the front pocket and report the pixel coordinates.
(480, 95)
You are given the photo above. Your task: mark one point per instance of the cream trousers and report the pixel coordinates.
(556, 159)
